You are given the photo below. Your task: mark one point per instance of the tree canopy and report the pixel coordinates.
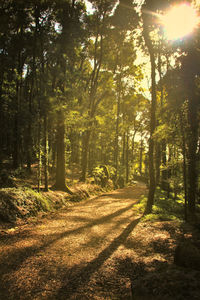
(73, 92)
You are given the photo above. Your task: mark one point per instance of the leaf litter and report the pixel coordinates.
(98, 249)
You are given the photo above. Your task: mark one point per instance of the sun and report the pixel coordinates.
(179, 21)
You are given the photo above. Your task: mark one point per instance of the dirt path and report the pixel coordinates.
(88, 251)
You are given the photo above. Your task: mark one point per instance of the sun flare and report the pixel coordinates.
(179, 21)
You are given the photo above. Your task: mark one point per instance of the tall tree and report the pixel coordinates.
(147, 27)
(97, 24)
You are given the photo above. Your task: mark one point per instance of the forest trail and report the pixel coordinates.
(83, 252)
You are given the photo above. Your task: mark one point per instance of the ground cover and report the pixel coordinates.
(100, 248)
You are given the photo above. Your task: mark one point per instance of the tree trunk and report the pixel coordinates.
(152, 182)
(29, 130)
(39, 151)
(60, 161)
(2, 123)
(190, 70)
(127, 156)
(46, 154)
(124, 149)
(169, 172)
(116, 150)
(164, 163)
(192, 157)
(16, 129)
(158, 162)
(184, 168)
(33, 75)
(141, 154)
(85, 154)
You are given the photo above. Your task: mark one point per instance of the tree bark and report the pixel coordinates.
(190, 69)
(158, 162)
(116, 150)
(127, 156)
(85, 154)
(184, 165)
(39, 151)
(141, 154)
(152, 182)
(60, 161)
(192, 157)
(46, 154)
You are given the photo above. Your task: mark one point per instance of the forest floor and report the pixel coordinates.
(96, 249)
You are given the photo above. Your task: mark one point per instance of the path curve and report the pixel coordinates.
(72, 254)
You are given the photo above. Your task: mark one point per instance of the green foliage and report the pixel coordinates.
(22, 203)
(163, 209)
(101, 175)
(43, 202)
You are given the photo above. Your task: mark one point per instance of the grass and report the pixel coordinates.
(164, 208)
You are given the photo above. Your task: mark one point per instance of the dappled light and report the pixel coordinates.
(99, 150)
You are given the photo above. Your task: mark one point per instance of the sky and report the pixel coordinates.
(141, 57)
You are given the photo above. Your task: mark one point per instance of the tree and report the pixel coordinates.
(97, 27)
(147, 23)
(190, 70)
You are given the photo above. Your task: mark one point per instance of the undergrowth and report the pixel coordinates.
(22, 203)
(164, 208)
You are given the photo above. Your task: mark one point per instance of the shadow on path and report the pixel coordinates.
(75, 277)
(25, 253)
(79, 278)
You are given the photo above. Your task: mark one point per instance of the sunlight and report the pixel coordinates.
(179, 21)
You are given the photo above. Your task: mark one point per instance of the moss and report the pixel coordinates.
(164, 208)
(42, 203)
(22, 203)
(25, 202)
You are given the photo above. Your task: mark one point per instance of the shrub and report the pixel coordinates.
(101, 175)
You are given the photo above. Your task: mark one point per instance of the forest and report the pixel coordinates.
(73, 92)
(104, 93)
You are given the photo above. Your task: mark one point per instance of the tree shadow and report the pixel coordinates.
(23, 254)
(81, 276)
(72, 278)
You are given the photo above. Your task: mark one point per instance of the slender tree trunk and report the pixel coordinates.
(46, 154)
(60, 161)
(152, 182)
(158, 161)
(29, 132)
(2, 123)
(164, 162)
(92, 150)
(39, 151)
(124, 149)
(116, 151)
(141, 155)
(169, 172)
(158, 143)
(85, 154)
(127, 156)
(16, 135)
(54, 151)
(146, 164)
(133, 148)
